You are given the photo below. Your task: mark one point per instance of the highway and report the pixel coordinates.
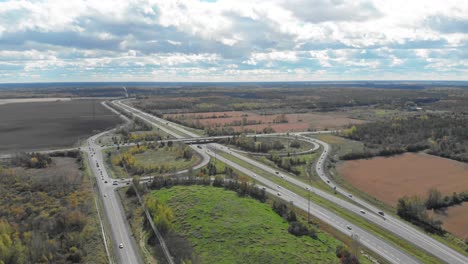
(381, 247)
(388, 222)
(119, 229)
(391, 223)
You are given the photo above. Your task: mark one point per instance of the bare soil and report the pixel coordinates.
(455, 220)
(48, 125)
(389, 179)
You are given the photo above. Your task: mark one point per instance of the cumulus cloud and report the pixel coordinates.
(259, 40)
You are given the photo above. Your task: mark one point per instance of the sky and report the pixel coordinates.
(233, 40)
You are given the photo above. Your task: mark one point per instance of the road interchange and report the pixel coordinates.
(378, 245)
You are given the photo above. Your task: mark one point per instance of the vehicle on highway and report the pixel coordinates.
(279, 194)
(362, 211)
(349, 227)
(105, 181)
(120, 245)
(328, 181)
(350, 195)
(276, 172)
(198, 146)
(263, 188)
(381, 213)
(115, 183)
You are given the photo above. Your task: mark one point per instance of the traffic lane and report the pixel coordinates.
(114, 214)
(326, 216)
(396, 225)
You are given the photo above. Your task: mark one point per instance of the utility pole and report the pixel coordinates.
(308, 197)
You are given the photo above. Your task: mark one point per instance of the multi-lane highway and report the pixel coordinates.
(123, 244)
(390, 223)
(358, 206)
(387, 251)
(383, 248)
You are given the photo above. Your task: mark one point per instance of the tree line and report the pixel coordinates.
(444, 135)
(252, 144)
(413, 209)
(435, 200)
(288, 163)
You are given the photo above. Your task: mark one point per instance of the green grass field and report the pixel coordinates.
(352, 217)
(224, 228)
(151, 156)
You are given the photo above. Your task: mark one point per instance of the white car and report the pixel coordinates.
(349, 227)
(120, 245)
(362, 211)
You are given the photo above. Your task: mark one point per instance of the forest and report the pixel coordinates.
(47, 212)
(444, 135)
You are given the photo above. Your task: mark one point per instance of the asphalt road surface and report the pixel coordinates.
(119, 229)
(376, 244)
(363, 209)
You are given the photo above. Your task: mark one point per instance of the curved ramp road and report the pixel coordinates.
(376, 244)
(391, 223)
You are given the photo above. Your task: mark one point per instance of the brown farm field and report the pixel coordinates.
(455, 219)
(389, 179)
(46, 125)
(257, 122)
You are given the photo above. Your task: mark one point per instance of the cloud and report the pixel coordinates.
(317, 11)
(259, 40)
(447, 24)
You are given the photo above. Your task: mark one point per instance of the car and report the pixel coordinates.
(120, 245)
(328, 181)
(105, 195)
(349, 227)
(350, 195)
(276, 172)
(307, 188)
(128, 183)
(362, 211)
(263, 188)
(282, 177)
(105, 181)
(279, 194)
(115, 183)
(381, 213)
(279, 187)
